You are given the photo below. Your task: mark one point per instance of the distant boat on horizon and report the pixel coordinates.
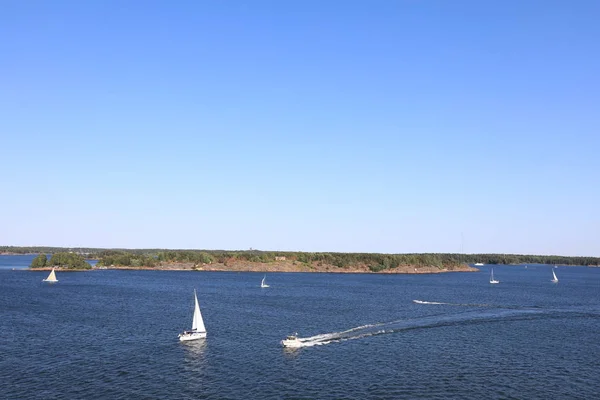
(478, 264)
(51, 277)
(492, 280)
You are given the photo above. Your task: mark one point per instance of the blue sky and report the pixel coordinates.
(353, 126)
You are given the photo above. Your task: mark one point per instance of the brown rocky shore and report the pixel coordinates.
(295, 266)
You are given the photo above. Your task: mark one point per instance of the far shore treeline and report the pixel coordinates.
(75, 258)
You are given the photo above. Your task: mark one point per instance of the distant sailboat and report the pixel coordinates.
(262, 283)
(479, 264)
(51, 278)
(554, 278)
(492, 280)
(198, 330)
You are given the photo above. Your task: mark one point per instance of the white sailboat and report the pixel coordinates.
(492, 280)
(262, 283)
(51, 277)
(198, 330)
(554, 278)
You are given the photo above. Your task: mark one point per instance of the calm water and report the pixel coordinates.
(113, 334)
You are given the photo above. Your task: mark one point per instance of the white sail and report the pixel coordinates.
(492, 280)
(555, 280)
(51, 277)
(262, 283)
(197, 322)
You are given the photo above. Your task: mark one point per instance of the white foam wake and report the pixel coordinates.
(482, 313)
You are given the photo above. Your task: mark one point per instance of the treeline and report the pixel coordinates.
(153, 257)
(374, 261)
(385, 260)
(514, 259)
(62, 260)
(84, 251)
(126, 258)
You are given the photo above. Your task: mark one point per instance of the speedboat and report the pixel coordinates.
(291, 341)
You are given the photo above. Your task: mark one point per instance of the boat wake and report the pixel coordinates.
(483, 314)
(459, 304)
(326, 338)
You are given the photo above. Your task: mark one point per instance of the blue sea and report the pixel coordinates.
(108, 334)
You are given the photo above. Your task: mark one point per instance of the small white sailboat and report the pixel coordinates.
(198, 330)
(262, 283)
(51, 277)
(291, 341)
(554, 278)
(479, 264)
(492, 280)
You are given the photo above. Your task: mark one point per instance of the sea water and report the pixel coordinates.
(113, 334)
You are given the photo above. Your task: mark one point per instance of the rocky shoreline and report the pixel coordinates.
(281, 266)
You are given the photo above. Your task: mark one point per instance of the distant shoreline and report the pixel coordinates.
(281, 266)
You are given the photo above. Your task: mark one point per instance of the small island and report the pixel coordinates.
(60, 261)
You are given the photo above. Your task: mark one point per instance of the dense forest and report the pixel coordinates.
(375, 261)
(62, 260)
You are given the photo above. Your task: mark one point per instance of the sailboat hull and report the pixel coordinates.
(50, 280)
(187, 336)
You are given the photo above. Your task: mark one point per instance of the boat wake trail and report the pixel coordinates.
(457, 304)
(482, 314)
(353, 333)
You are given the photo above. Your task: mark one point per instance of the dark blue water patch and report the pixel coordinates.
(113, 334)
(19, 261)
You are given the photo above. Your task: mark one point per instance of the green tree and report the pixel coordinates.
(39, 261)
(68, 260)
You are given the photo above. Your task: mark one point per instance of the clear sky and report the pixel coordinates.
(353, 126)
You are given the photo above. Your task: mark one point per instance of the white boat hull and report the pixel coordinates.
(50, 280)
(293, 343)
(187, 336)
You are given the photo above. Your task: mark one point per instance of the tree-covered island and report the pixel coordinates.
(60, 260)
(253, 260)
(256, 260)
